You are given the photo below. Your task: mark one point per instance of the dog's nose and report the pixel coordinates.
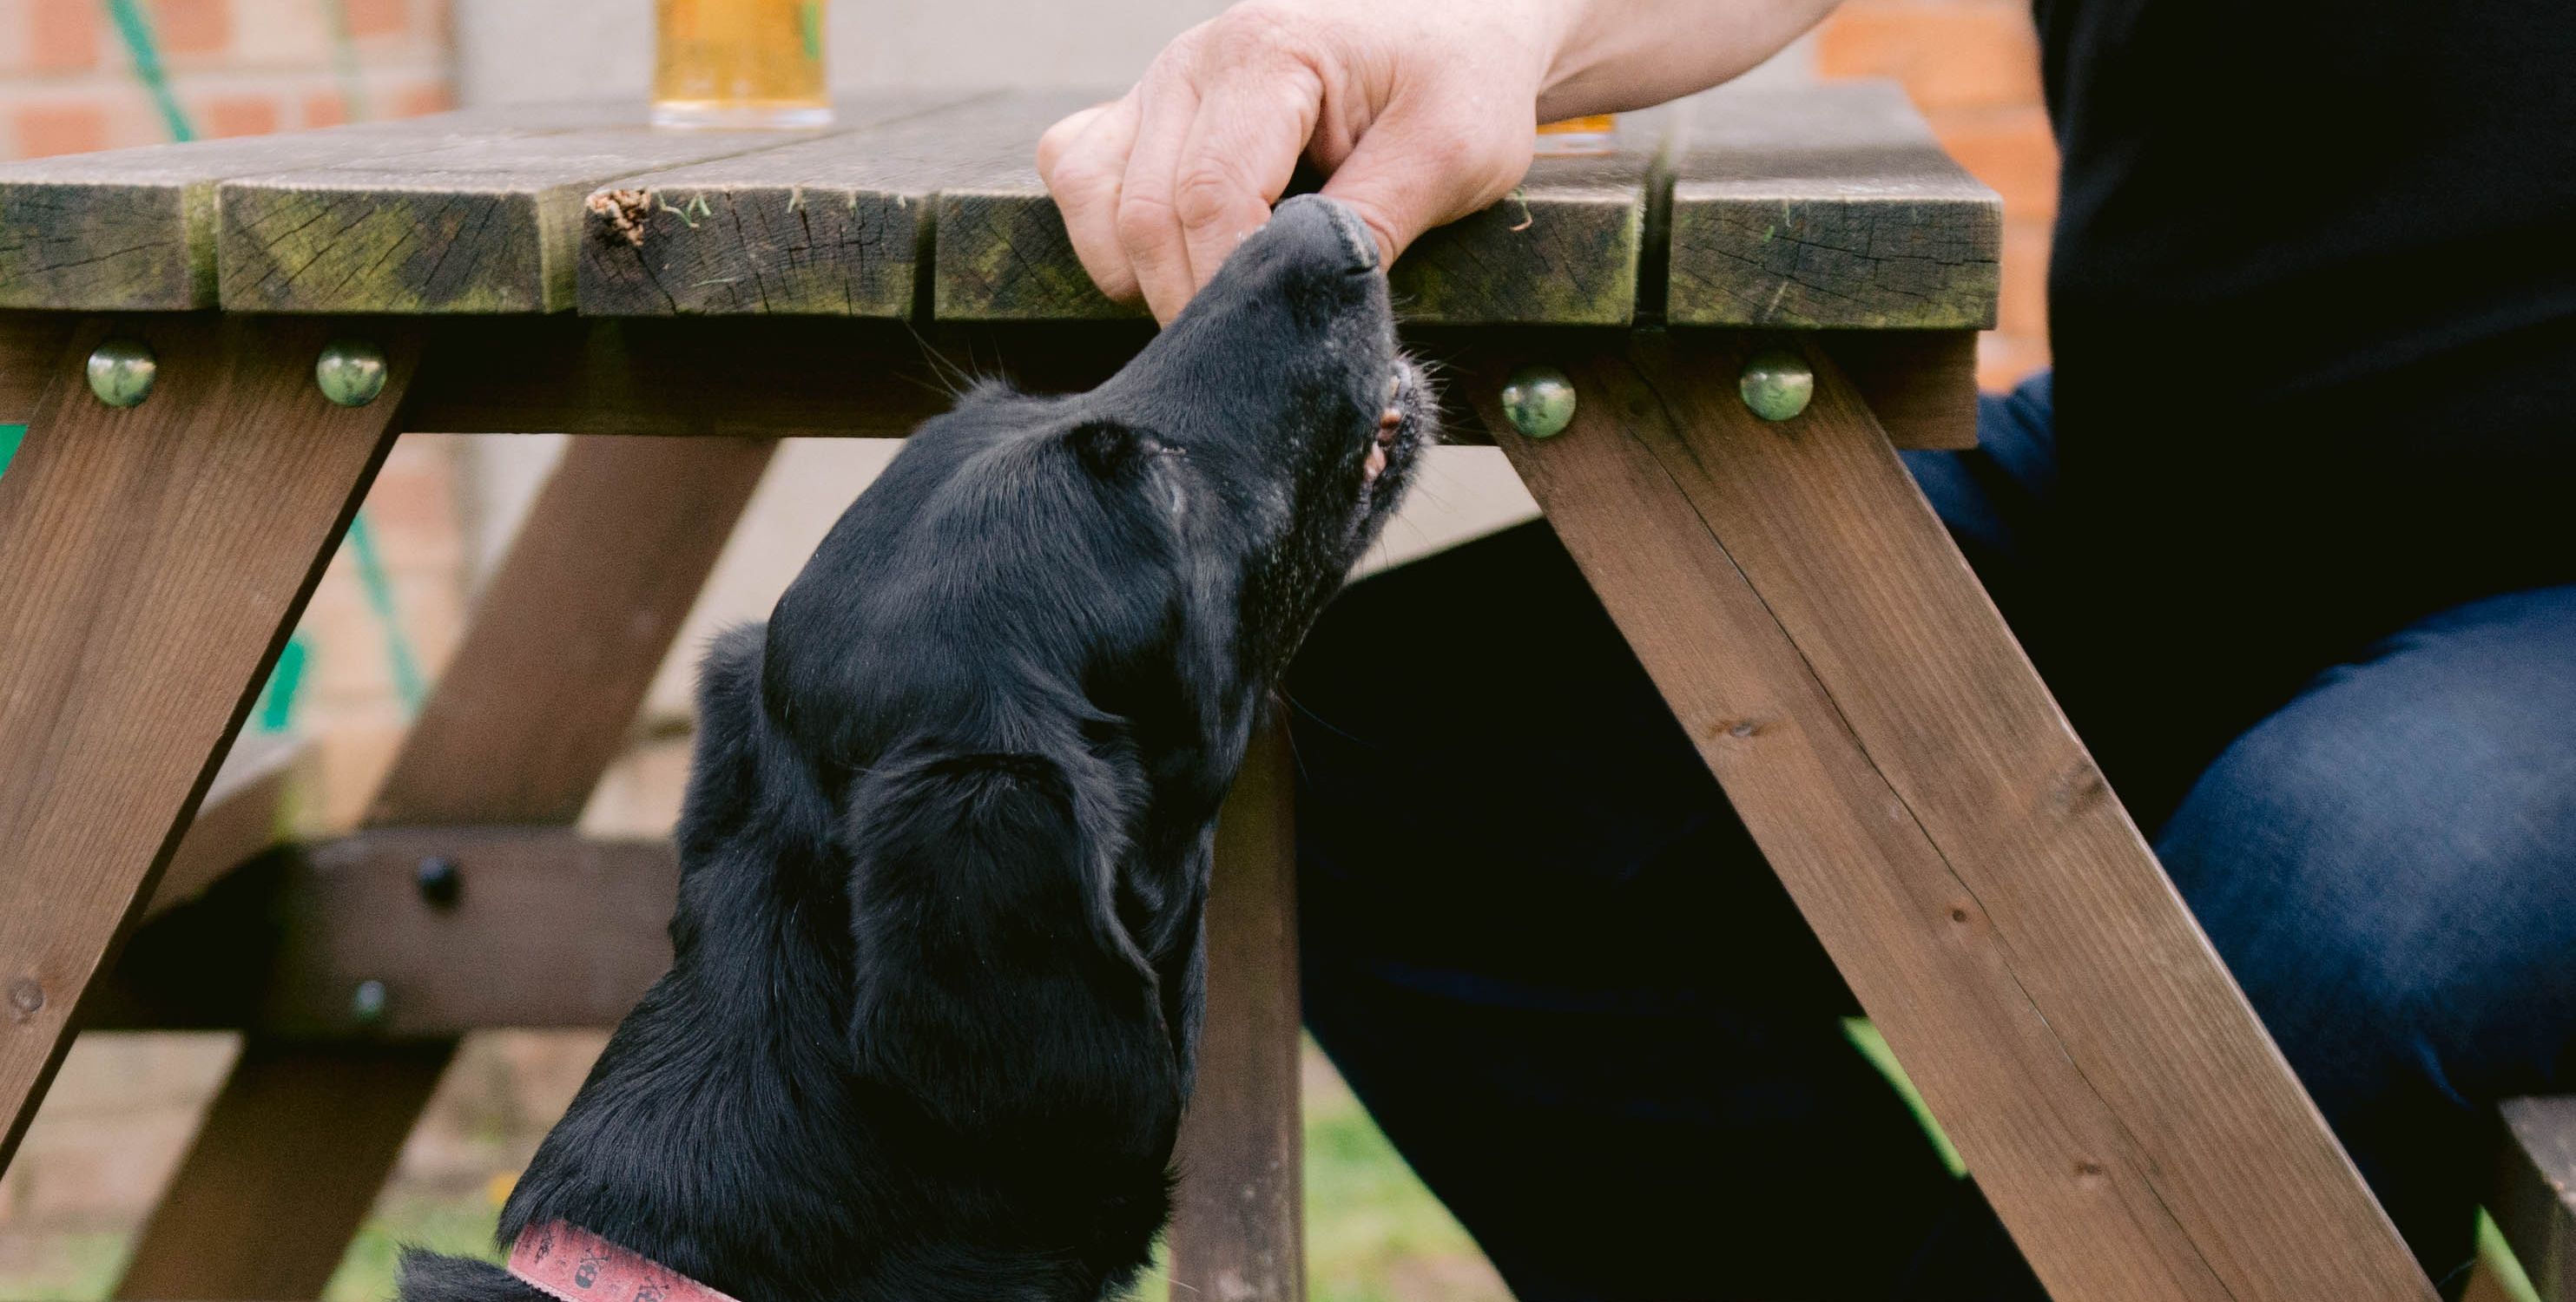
(1338, 223)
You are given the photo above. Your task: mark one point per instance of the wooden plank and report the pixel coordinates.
(1827, 206)
(753, 376)
(243, 814)
(152, 560)
(831, 227)
(482, 225)
(277, 1100)
(1564, 250)
(134, 229)
(2535, 1194)
(1238, 1215)
(1920, 384)
(1908, 776)
(29, 343)
(530, 712)
(537, 702)
(281, 949)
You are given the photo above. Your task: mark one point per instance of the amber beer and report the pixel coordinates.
(740, 63)
(1584, 135)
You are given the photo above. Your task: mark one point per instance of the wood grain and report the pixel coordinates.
(479, 224)
(835, 227)
(29, 343)
(1238, 1218)
(279, 1096)
(1563, 249)
(280, 949)
(531, 710)
(1909, 778)
(152, 560)
(134, 229)
(2535, 1195)
(1827, 206)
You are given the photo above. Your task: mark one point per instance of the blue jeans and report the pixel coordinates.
(1545, 953)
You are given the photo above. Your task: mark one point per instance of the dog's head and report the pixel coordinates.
(1023, 670)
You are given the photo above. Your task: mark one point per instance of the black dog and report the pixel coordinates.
(934, 996)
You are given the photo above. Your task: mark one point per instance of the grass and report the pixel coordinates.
(1374, 1234)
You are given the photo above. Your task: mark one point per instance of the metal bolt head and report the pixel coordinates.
(26, 997)
(1777, 384)
(121, 372)
(439, 882)
(351, 372)
(1539, 401)
(367, 1003)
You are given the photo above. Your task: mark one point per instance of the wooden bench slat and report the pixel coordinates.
(2534, 1202)
(1565, 249)
(836, 226)
(134, 229)
(479, 225)
(1827, 206)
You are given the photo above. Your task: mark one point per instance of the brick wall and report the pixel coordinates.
(1973, 68)
(237, 67)
(113, 1125)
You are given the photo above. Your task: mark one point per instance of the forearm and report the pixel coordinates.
(1614, 55)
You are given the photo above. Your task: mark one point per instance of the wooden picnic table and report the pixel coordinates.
(1809, 251)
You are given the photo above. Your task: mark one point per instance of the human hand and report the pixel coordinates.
(1420, 111)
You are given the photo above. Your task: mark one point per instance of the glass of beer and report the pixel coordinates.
(740, 63)
(1584, 135)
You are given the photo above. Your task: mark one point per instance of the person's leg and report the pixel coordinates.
(1553, 965)
(2388, 865)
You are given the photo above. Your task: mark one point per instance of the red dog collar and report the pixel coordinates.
(572, 1264)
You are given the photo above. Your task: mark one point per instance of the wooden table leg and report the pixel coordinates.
(152, 561)
(1238, 1222)
(1940, 826)
(530, 713)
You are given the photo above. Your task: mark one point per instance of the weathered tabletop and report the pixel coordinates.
(1822, 207)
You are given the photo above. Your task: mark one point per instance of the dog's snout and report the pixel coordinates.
(1334, 220)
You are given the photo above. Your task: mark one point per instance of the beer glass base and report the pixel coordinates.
(739, 115)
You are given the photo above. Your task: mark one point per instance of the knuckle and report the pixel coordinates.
(1144, 221)
(1205, 197)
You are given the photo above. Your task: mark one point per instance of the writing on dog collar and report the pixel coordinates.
(572, 1264)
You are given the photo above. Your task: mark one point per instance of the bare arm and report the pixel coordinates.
(1420, 110)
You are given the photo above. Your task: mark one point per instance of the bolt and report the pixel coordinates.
(26, 997)
(1777, 384)
(1539, 401)
(121, 372)
(438, 881)
(351, 372)
(367, 1003)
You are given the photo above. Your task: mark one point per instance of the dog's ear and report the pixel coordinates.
(1110, 449)
(996, 986)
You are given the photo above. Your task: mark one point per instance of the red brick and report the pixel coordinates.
(1961, 54)
(237, 115)
(2011, 150)
(2005, 360)
(60, 129)
(62, 35)
(420, 100)
(377, 17)
(192, 26)
(327, 108)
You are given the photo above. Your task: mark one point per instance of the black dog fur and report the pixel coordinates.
(933, 1003)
